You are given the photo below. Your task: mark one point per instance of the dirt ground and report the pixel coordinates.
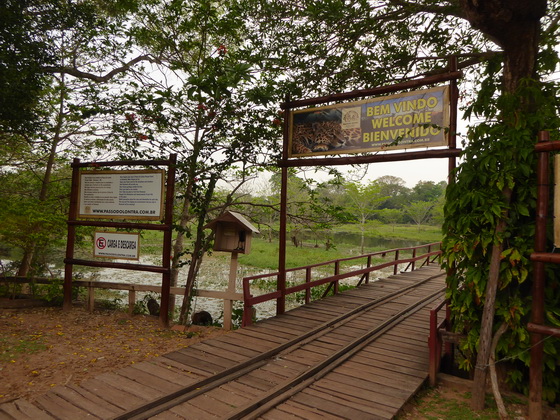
(41, 347)
(44, 346)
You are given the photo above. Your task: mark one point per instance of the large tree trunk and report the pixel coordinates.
(515, 26)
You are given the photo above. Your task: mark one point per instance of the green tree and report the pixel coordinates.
(427, 191)
(28, 220)
(391, 216)
(24, 51)
(310, 209)
(362, 202)
(419, 211)
(75, 37)
(208, 107)
(395, 190)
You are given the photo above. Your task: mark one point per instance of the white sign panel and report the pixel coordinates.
(116, 245)
(121, 194)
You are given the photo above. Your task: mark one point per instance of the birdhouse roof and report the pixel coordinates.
(231, 216)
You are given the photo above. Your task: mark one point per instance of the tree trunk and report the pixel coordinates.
(515, 26)
(487, 323)
(178, 246)
(29, 252)
(363, 238)
(198, 252)
(493, 376)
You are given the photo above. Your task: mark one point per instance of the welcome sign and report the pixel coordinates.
(402, 121)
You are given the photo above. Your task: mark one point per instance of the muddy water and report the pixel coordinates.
(214, 275)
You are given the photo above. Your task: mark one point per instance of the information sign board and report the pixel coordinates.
(406, 120)
(121, 194)
(117, 245)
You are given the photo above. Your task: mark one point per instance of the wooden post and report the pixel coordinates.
(131, 300)
(91, 297)
(71, 239)
(453, 102)
(307, 289)
(557, 201)
(281, 283)
(166, 305)
(228, 303)
(336, 273)
(537, 306)
(434, 346)
(368, 266)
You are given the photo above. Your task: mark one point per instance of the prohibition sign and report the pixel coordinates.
(101, 242)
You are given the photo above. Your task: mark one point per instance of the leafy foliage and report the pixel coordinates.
(499, 157)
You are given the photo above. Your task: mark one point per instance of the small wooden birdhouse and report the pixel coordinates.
(232, 233)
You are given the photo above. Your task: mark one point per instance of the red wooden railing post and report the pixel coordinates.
(448, 344)
(435, 348)
(368, 266)
(336, 273)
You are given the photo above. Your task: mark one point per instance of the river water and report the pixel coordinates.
(214, 275)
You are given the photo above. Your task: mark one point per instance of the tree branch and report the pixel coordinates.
(73, 71)
(472, 60)
(452, 9)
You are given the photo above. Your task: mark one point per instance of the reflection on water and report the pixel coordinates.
(350, 238)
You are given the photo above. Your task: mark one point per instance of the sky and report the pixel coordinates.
(411, 171)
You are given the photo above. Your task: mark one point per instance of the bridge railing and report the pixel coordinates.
(132, 289)
(426, 256)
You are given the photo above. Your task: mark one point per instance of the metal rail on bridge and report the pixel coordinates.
(249, 300)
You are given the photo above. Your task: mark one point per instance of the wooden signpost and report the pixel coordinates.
(105, 199)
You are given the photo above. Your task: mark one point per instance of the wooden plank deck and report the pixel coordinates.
(375, 383)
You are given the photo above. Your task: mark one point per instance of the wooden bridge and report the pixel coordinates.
(360, 354)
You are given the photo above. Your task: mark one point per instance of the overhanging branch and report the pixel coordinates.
(73, 71)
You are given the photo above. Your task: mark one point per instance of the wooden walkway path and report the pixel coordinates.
(374, 383)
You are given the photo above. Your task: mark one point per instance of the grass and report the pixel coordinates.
(264, 254)
(448, 402)
(432, 404)
(11, 348)
(422, 233)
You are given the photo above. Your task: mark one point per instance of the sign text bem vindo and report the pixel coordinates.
(135, 194)
(406, 120)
